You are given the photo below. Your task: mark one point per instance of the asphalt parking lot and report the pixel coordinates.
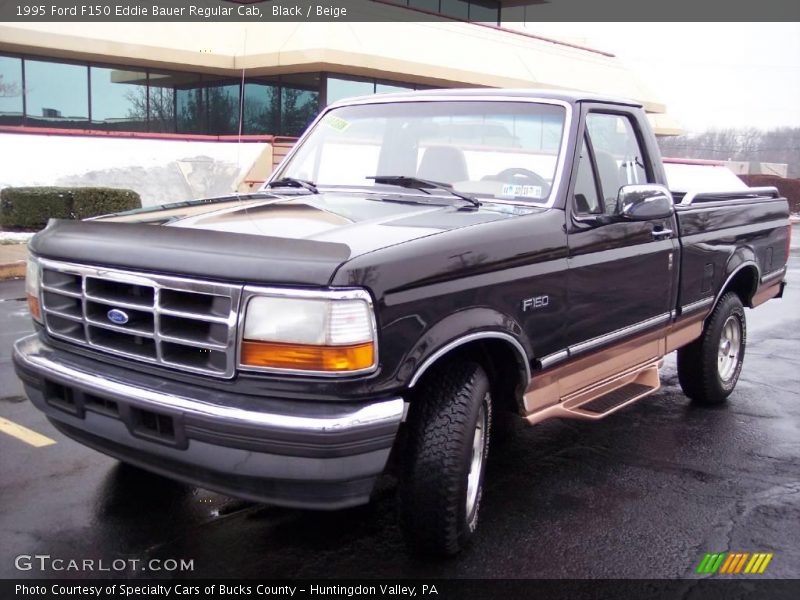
(645, 493)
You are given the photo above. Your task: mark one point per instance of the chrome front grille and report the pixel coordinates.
(180, 323)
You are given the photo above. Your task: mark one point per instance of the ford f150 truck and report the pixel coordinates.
(419, 265)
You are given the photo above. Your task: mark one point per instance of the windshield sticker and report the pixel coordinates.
(336, 123)
(526, 191)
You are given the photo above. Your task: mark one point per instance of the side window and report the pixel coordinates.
(586, 197)
(617, 154)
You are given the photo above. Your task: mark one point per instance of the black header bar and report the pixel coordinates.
(265, 11)
(433, 589)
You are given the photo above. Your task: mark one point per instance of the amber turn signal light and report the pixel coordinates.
(306, 357)
(34, 308)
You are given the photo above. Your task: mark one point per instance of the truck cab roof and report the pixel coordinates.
(569, 96)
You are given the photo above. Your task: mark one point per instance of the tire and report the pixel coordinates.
(709, 367)
(441, 484)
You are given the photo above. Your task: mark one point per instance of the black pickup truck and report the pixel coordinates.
(418, 266)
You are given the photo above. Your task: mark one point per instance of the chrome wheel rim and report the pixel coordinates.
(476, 461)
(730, 343)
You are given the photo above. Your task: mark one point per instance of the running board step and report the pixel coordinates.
(605, 397)
(604, 404)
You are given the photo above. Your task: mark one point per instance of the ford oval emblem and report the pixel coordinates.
(120, 317)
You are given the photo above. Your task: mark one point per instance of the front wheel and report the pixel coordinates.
(441, 485)
(709, 367)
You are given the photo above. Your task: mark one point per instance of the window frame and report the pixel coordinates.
(640, 142)
(593, 166)
(626, 113)
(583, 110)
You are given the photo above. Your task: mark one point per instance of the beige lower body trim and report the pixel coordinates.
(765, 294)
(559, 383)
(685, 331)
(561, 390)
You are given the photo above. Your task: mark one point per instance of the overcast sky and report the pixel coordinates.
(708, 74)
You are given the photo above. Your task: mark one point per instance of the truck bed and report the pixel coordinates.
(724, 233)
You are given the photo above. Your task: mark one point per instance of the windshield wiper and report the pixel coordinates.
(293, 182)
(423, 185)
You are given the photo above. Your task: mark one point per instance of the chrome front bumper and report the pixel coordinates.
(294, 453)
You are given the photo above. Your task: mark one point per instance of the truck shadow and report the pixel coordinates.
(542, 480)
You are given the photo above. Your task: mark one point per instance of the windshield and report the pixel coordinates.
(503, 150)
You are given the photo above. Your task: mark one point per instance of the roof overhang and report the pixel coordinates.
(438, 53)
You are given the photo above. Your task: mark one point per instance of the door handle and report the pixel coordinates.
(662, 233)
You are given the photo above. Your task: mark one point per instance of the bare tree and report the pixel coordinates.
(161, 107)
(298, 108)
(9, 89)
(781, 145)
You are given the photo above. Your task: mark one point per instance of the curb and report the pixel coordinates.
(12, 270)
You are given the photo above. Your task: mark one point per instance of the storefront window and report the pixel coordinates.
(10, 90)
(262, 105)
(223, 108)
(428, 5)
(388, 88)
(456, 8)
(116, 98)
(484, 11)
(190, 107)
(298, 109)
(337, 88)
(57, 94)
(119, 99)
(161, 102)
(479, 11)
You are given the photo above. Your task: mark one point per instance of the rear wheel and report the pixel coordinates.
(441, 485)
(709, 367)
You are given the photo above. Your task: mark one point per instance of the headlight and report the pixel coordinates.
(325, 332)
(33, 276)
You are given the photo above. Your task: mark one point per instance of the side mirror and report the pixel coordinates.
(644, 202)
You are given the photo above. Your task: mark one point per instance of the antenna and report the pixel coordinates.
(241, 108)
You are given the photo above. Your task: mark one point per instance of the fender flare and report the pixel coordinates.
(449, 334)
(748, 263)
(498, 335)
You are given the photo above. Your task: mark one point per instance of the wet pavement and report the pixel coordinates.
(644, 493)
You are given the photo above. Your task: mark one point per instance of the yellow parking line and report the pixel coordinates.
(23, 433)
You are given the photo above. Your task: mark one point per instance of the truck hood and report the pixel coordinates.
(266, 238)
(363, 222)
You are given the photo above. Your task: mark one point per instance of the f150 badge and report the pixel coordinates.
(535, 302)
